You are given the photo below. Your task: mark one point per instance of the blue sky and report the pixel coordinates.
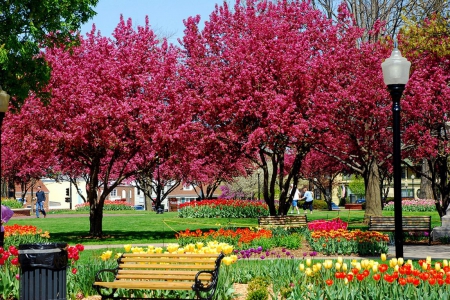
(165, 16)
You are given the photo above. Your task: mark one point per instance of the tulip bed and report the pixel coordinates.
(223, 209)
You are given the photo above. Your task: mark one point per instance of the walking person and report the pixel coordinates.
(40, 199)
(307, 195)
(295, 199)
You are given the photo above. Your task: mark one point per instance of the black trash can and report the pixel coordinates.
(43, 271)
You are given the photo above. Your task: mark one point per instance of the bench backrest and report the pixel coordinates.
(158, 266)
(409, 223)
(299, 220)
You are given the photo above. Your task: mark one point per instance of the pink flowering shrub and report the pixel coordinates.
(327, 225)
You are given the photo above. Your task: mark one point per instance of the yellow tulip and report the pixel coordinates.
(227, 260)
(375, 268)
(445, 263)
(396, 267)
(127, 247)
(358, 266)
(424, 266)
(199, 245)
(308, 272)
(400, 261)
(338, 266)
(437, 266)
(301, 267)
(383, 256)
(339, 259)
(345, 280)
(344, 267)
(328, 264)
(158, 250)
(308, 262)
(393, 262)
(428, 260)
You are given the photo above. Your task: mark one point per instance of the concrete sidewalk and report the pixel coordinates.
(409, 251)
(422, 251)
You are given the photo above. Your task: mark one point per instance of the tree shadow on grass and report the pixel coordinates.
(115, 237)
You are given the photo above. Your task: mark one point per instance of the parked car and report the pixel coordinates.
(361, 201)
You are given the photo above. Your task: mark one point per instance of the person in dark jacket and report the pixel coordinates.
(40, 199)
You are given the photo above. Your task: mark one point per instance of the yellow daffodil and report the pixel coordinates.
(127, 247)
(118, 255)
(199, 245)
(158, 250)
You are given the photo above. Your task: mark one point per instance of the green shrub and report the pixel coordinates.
(261, 294)
(257, 288)
(12, 203)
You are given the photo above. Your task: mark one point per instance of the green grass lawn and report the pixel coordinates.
(133, 227)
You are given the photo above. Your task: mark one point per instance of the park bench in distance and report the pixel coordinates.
(409, 224)
(164, 271)
(283, 221)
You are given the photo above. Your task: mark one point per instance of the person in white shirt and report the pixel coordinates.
(295, 198)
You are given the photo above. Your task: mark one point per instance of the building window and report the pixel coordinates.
(187, 187)
(114, 193)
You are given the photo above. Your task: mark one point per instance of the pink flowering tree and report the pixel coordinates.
(264, 78)
(113, 102)
(426, 104)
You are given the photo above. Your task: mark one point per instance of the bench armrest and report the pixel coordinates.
(210, 289)
(101, 290)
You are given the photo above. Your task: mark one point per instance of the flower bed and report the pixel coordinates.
(223, 209)
(109, 206)
(414, 205)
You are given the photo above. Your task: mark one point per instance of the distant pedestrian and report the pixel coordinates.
(307, 195)
(295, 198)
(40, 199)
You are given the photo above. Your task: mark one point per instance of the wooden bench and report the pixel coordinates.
(164, 271)
(413, 223)
(283, 221)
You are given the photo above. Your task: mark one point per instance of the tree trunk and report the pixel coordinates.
(426, 189)
(96, 218)
(373, 197)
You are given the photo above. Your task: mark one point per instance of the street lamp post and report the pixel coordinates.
(4, 103)
(396, 75)
(412, 183)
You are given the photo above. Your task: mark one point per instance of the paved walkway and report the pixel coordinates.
(409, 251)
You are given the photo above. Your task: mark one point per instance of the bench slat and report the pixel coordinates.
(170, 277)
(292, 221)
(166, 266)
(146, 285)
